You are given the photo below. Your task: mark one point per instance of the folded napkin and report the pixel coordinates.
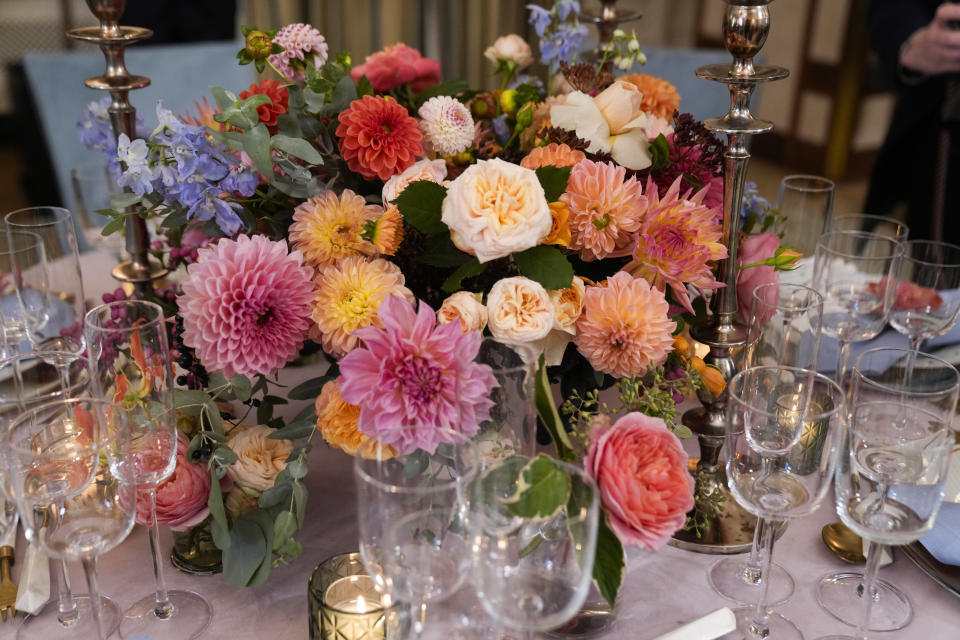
(713, 625)
(943, 540)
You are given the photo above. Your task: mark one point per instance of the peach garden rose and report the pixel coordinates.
(519, 311)
(464, 307)
(259, 458)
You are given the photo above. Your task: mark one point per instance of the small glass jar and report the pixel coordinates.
(344, 601)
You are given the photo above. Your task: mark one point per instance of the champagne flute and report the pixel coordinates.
(891, 476)
(127, 342)
(412, 506)
(856, 274)
(807, 204)
(68, 463)
(785, 424)
(784, 331)
(532, 573)
(23, 281)
(928, 291)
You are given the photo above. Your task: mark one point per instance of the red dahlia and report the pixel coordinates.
(378, 138)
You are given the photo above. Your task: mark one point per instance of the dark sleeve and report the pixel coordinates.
(891, 22)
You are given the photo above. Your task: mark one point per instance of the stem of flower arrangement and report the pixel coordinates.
(277, 71)
(163, 608)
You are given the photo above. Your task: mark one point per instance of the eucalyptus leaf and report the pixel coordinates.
(256, 142)
(284, 528)
(542, 489)
(298, 469)
(125, 199)
(225, 455)
(343, 94)
(301, 426)
(314, 101)
(219, 528)
(547, 265)
(224, 99)
(311, 388)
(296, 147)
(247, 551)
(300, 496)
(241, 386)
(278, 494)
(265, 522)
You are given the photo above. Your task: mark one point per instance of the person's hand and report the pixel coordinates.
(935, 48)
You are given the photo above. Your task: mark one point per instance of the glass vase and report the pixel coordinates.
(194, 551)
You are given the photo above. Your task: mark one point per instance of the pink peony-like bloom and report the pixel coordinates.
(181, 498)
(301, 44)
(246, 305)
(414, 373)
(398, 64)
(756, 249)
(677, 243)
(641, 470)
(605, 209)
(446, 124)
(378, 139)
(625, 326)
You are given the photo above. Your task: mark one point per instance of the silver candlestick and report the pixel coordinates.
(746, 24)
(607, 19)
(113, 40)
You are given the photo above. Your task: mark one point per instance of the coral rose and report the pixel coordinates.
(756, 249)
(496, 208)
(259, 458)
(511, 48)
(641, 470)
(398, 64)
(519, 311)
(466, 308)
(181, 498)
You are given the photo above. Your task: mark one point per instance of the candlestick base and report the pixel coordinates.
(126, 271)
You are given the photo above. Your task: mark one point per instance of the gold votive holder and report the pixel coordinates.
(344, 601)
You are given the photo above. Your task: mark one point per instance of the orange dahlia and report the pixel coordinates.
(337, 420)
(659, 96)
(328, 227)
(378, 138)
(386, 233)
(559, 155)
(605, 209)
(625, 326)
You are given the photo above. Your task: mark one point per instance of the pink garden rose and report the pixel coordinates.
(396, 65)
(756, 249)
(182, 498)
(641, 470)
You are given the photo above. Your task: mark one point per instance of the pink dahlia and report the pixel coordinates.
(398, 64)
(246, 305)
(625, 326)
(301, 44)
(605, 209)
(677, 243)
(378, 138)
(414, 373)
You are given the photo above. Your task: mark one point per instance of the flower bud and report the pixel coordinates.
(508, 101)
(258, 44)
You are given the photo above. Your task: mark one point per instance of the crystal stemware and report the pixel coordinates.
(411, 510)
(69, 467)
(532, 571)
(856, 274)
(23, 268)
(130, 361)
(806, 202)
(511, 428)
(928, 291)
(891, 476)
(785, 425)
(879, 225)
(784, 331)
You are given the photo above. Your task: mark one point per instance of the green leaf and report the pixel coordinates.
(298, 469)
(364, 87)
(224, 456)
(343, 94)
(247, 551)
(245, 30)
(124, 200)
(264, 413)
(447, 88)
(547, 265)
(301, 426)
(659, 152)
(190, 402)
(256, 142)
(421, 204)
(284, 528)
(249, 106)
(314, 101)
(467, 270)
(241, 386)
(265, 522)
(260, 64)
(175, 219)
(219, 528)
(296, 147)
(441, 252)
(310, 389)
(542, 489)
(224, 99)
(608, 564)
(300, 496)
(553, 180)
(115, 225)
(547, 411)
(276, 495)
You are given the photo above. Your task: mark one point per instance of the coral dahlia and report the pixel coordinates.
(245, 305)
(328, 227)
(558, 155)
(378, 139)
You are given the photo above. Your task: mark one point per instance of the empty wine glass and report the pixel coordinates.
(928, 291)
(68, 463)
(23, 268)
(785, 424)
(127, 342)
(806, 203)
(511, 428)
(879, 225)
(891, 476)
(411, 513)
(93, 187)
(784, 331)
(532, 572)
(856, 274)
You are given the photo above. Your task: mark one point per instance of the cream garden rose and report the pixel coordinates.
(567, 307)
(519, 311)
(510, 47)
(466, 308)
(613, 123)
(259, 458)
(432, 170)
(496, 208)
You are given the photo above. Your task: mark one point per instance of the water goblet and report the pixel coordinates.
(531, 571)
(127, 342)
(928, 291)
(411, 510)
(891, 475)
(784, 331)
(785, 424)
(856, 274)
(69, 470)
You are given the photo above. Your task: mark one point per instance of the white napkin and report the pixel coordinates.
(713, 625)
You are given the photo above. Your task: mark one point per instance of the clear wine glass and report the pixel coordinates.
(806, 201)
(412, 506)
(856, 274)
(512, 426)
(785, 426)
(532, 573)
(130, 360)
(879, 225)
(68, 463)
(784, 331)
(54, 294)
(928, 291)
(23, 261)
(891, 476)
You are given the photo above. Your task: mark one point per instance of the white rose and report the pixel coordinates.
(259, 458)
(510, 47)
(466, 308)
(613, 123)
(496, 208)
(519, 311)
(432, 170)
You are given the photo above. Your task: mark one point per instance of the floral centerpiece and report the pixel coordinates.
(390, 218)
